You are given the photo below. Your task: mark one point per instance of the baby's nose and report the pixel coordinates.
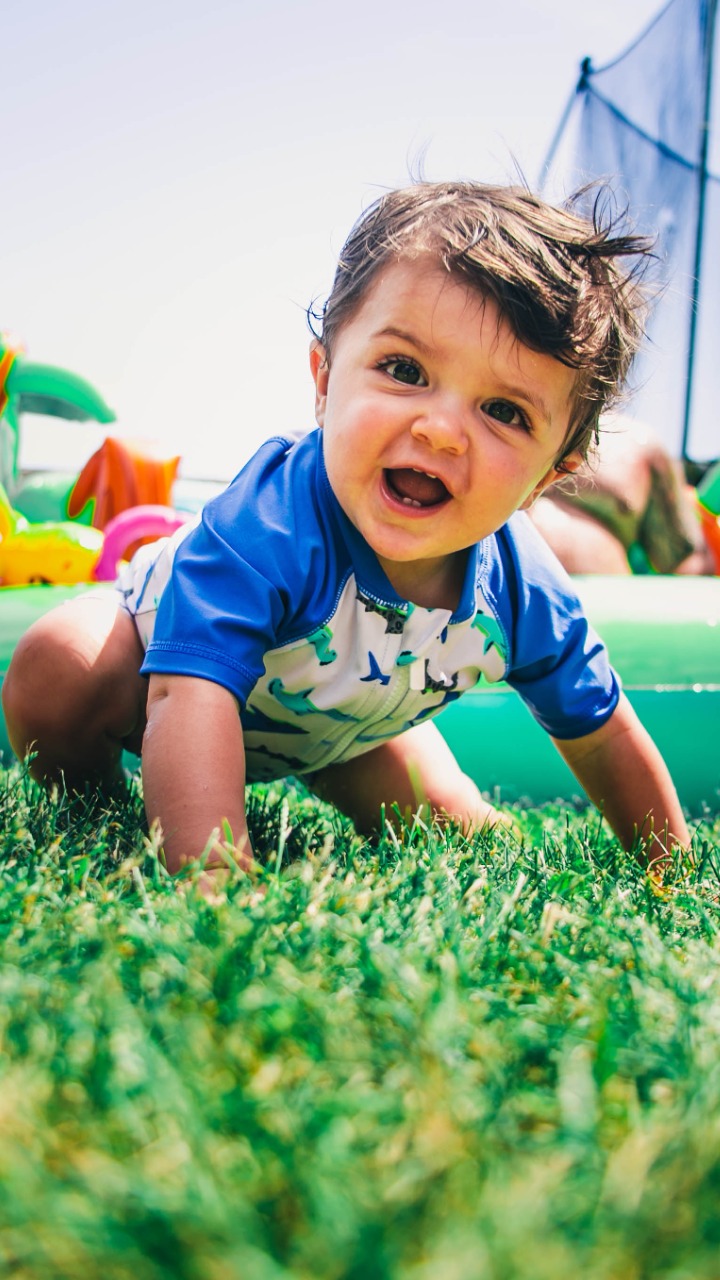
(444, 428)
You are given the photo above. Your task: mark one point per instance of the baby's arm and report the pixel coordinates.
(624, 774)
(193, 767)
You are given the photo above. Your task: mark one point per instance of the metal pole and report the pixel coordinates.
(704, 141)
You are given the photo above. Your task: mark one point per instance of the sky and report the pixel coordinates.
(178, 179)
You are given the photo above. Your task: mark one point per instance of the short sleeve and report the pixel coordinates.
(235, 578)
(217, 615)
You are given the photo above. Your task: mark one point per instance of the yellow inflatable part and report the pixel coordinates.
(56, 551)
(63, 552)
(10, 520)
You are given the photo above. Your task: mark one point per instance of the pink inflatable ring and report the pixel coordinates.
(149, 520)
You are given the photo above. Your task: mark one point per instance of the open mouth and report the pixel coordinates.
(415, 488)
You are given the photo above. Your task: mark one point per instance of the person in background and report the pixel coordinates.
(627, 509)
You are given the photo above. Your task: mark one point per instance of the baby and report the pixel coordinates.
(347, 587)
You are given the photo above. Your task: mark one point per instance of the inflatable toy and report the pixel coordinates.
(45, 518)
(122, 473)
(29, 387)
(63, 552)
(57, 552)
(126, 530)
(664, 639)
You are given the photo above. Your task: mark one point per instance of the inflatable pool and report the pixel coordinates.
(663, 634)
(664, 639)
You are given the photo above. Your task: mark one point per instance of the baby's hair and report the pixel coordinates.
(558, 279)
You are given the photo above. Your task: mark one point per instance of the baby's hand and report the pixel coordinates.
(212, 885)
(222, 861)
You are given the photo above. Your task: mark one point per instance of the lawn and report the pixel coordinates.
(425, 1058)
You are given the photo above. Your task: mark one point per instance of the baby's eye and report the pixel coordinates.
(506, 412)
(404, 370)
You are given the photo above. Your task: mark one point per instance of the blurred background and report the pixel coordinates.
(178, 180)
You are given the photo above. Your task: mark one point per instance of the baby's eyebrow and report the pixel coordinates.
(529, 397)
(391, 332)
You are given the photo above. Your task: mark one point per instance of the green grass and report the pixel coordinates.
(425, 1059)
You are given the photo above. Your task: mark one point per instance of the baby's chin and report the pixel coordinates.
(434, 583)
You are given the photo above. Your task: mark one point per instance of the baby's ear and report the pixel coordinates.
(571, 463)
(319, 369)
(564, 468)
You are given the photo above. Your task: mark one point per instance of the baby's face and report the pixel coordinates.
(438, 423)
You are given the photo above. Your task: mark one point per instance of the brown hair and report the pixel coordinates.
(556, 277)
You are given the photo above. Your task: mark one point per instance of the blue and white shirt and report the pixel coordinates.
(275, 595)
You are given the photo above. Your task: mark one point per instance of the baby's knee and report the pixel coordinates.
(35, 687)
(32, 675)
(74, 677)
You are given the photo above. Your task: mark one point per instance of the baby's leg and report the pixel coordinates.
(73, 693)
(416, 769)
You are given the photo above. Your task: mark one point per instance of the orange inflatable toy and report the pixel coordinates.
(123, 473)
